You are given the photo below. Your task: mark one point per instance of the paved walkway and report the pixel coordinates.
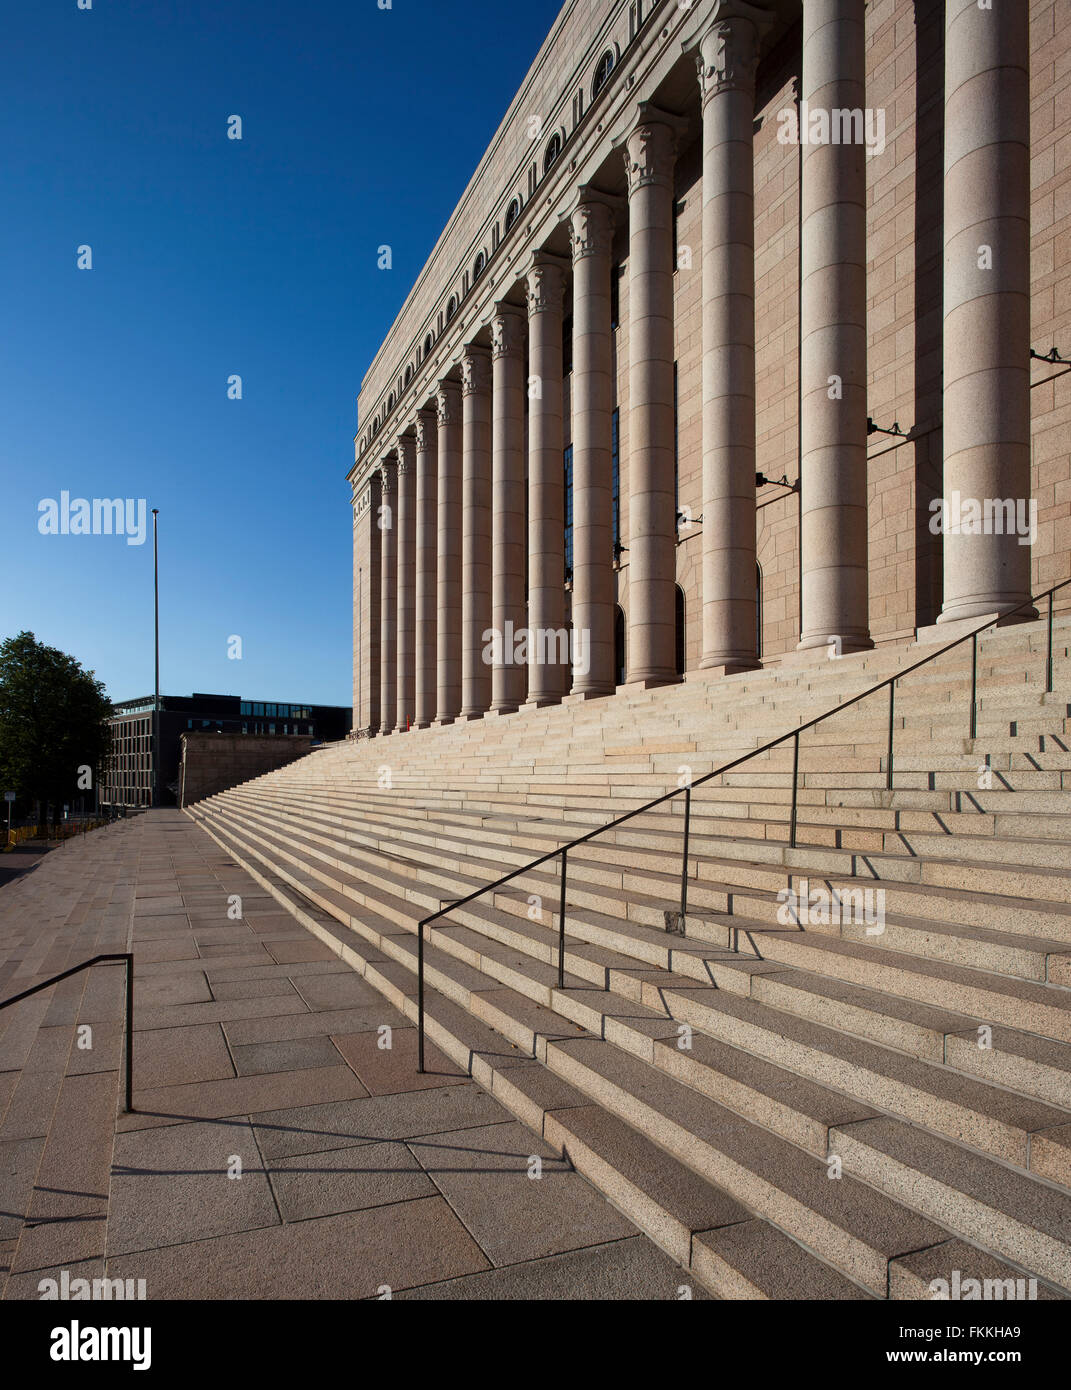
(283, 1144)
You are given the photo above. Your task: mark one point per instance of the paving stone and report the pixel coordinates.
(485, 1176)
(172, 1056)
(171, 1186)
(319, 1128)
(386, 1071)
(365, 1175)
(632, 1268)
(339, 991)
(291, 1054)
(163, 991)
(280, 988)
(279, 1025)
(400, 1246)
(242, 1095)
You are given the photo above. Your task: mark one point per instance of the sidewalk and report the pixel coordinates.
(283, 1143)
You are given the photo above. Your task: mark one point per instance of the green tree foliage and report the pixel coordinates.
(53, 723)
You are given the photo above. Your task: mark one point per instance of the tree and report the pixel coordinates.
(54, 735)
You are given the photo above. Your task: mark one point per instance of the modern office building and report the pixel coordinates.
(129, 781)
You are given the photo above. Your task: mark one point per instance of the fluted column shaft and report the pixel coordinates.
(508, 539)
(727, 61)
(388, 596)
(476, 531)
(406, 564)
(369, 573)
(833, 335)
(592, 405)
(649, 160)
(426, 544)
(547, 674)
(986, 303)
(448, 587)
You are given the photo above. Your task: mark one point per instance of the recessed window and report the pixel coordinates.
(428, 343)
(409, 374)
(451, 308)
(554, 149)
(512, 213)
(479, 265)
(602, 73)
(390, 402)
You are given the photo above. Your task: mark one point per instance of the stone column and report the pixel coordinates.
(508, 540)
(592, 227)
(986, 305)
(448, 586)
(388, 597)
(727, 60)
(475, 530)
(406, 562)
(833, 335)
(649, 160)
(367, 570)
(547, 674)
(426, 543)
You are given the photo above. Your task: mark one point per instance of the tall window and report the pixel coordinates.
(568, 481)
(615, 482)
(478, 267)
(512, 213)
(554, 149)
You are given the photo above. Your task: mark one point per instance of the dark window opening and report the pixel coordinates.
(679, 614)
(602, 74)
(568, 483)
(615, 481)
(619, 645)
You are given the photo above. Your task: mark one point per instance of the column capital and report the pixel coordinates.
(546, 283)
(591, 231)
(387, 470)
(650, 147)
(728, 52)
(425, 426)
(448, 403)
(508, 331)
(405, 453)
(475, 370)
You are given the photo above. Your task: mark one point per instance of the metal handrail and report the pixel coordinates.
(686, 791)
(126, 956)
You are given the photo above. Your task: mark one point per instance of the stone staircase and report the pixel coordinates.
(794, 1099)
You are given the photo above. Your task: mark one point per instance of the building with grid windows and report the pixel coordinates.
(129, 780)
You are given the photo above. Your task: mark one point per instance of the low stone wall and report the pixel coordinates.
(212, 762)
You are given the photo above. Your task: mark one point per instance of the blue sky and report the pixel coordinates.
(213, 257)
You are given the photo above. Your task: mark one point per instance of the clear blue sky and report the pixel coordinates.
(211, 257)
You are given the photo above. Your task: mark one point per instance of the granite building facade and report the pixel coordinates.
(742, 341)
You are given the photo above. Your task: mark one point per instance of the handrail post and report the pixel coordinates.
(130, 1033)
(974, 684)
(684, 857)
(889, 756)
(420, 997)
(795, 785)
(1048, 664)
(561, 925)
